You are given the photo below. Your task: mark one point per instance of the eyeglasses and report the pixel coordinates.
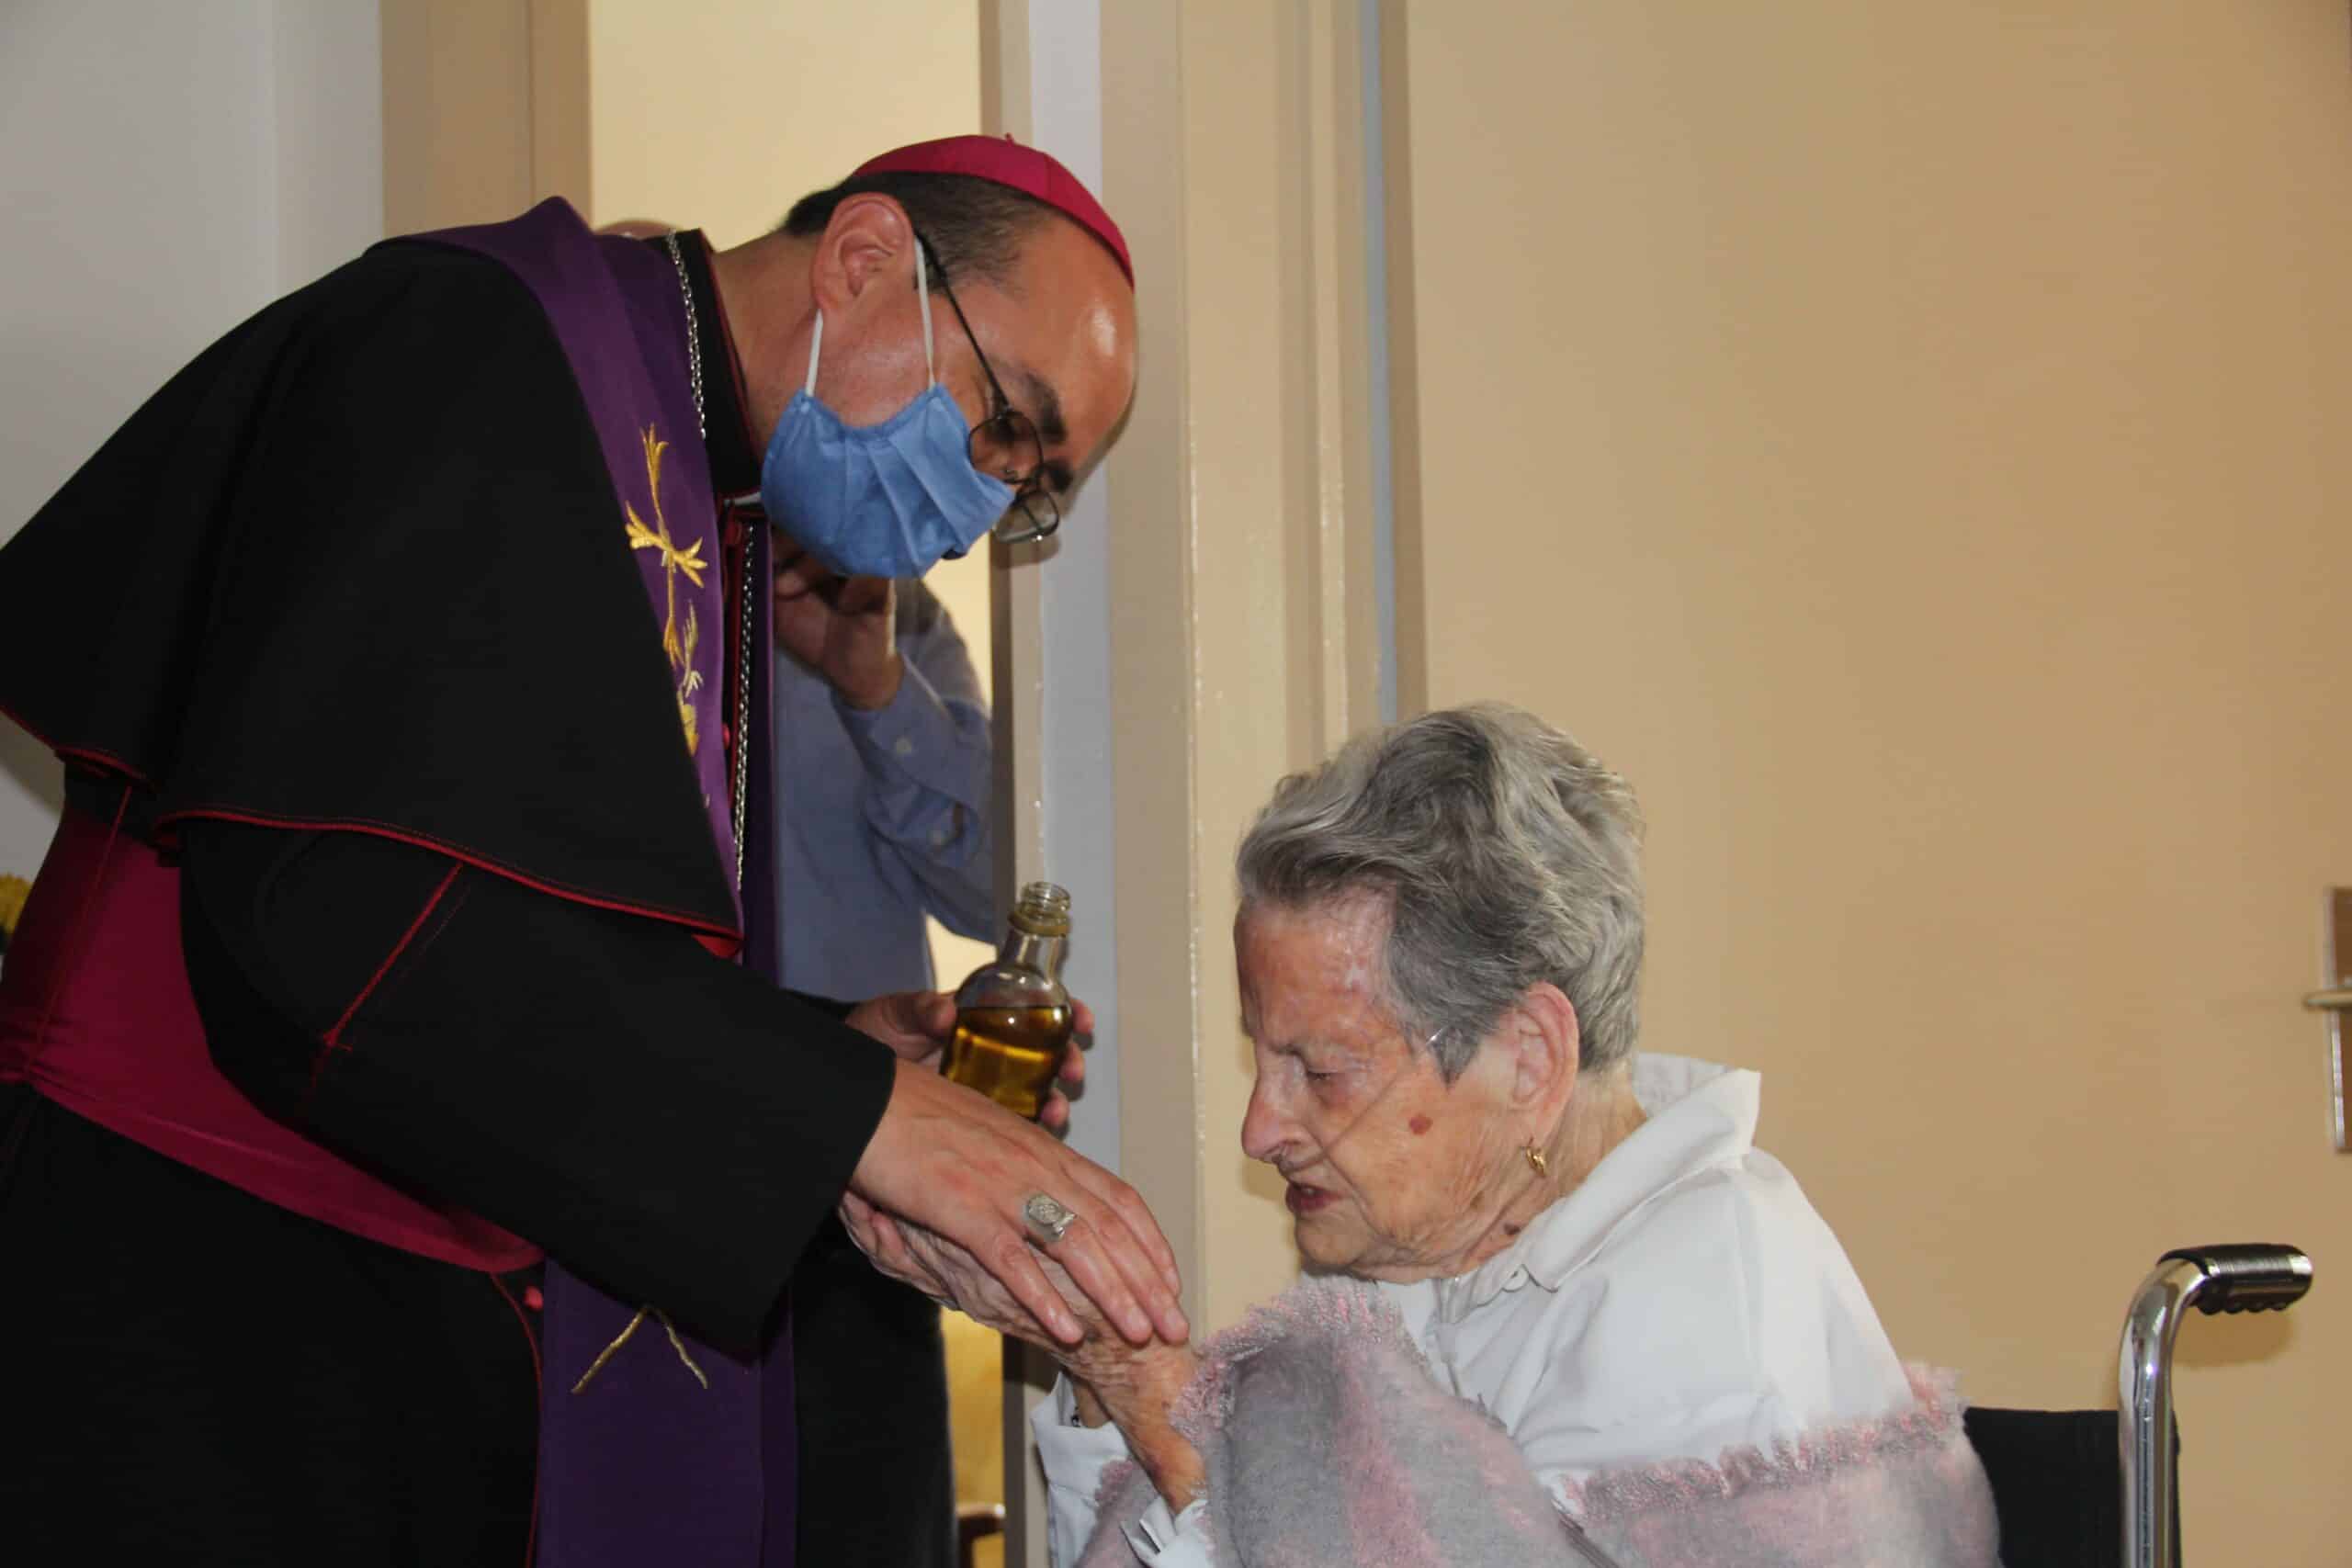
(999, 443)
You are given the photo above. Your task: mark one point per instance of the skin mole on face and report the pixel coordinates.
(1420, 1125)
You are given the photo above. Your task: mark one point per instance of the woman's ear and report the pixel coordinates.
(1542, 1031)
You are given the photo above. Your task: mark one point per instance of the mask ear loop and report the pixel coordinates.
(922, 292)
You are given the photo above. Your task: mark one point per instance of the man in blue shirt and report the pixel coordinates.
(882, 768)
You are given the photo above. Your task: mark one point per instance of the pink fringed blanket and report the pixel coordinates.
(1328, 1443)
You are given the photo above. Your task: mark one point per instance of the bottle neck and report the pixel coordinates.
(1027, 950)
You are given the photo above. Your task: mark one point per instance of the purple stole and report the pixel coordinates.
(645, 1465)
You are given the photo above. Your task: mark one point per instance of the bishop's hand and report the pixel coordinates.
(954, 1162)
(918, 1025)
(845, 628)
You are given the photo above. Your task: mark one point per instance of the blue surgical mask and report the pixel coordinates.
(888, 500)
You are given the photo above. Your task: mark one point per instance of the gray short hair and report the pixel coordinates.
(1507, 855)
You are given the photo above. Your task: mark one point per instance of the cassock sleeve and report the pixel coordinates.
(664, 1123)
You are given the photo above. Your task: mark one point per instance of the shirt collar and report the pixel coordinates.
(734, 452)
(1701, 1115)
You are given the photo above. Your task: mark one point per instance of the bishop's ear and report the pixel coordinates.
(868, 239)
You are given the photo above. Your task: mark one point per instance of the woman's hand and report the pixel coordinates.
(1135, 1385)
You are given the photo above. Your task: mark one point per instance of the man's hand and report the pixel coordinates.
(953, 1277)
(917, 1025)
(845, 628)
(954, 1162)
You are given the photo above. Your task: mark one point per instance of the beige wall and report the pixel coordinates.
(458, 119)
(1242, 645)
(720, 112)
(1909, 442)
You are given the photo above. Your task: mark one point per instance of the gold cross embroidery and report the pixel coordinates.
(679, 648)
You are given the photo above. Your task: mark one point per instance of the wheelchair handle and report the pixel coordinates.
(2246, 1277)
(2235, 1277)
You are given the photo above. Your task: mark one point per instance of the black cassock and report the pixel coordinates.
(302, 622)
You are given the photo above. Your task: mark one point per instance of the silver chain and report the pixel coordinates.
(743, 620)
(744, 708)
(693, 334)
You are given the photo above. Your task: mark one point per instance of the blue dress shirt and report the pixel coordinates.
(884, 815)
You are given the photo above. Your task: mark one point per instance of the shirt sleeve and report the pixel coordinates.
(1075, 1459)
(926, 759)
(665, 1123)
(1182, 1541)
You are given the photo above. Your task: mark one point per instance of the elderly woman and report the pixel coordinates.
(1593, 1269)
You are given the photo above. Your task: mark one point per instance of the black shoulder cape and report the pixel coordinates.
(355, 566)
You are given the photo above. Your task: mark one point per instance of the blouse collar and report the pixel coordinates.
(1700, 1116)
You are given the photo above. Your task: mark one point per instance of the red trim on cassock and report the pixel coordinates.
(538, 1381)
(106, 760)
(724, 942)
(333, 1037)
(331, 1041)
(721, 942)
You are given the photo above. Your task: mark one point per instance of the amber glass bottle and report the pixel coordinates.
(1012, 1018)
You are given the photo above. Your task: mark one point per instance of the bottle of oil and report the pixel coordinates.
(1012, 1017)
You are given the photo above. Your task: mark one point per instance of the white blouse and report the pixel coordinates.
(1683, 1299)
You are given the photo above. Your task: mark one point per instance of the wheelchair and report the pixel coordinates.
(2076, 1488)
(2090, 1489)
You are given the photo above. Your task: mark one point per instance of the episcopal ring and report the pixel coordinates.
(1047, 1218)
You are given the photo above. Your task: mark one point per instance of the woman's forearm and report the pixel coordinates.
(1166, 1454)
(1092, 1412)
(1139, 1403)
(1173, 1464)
